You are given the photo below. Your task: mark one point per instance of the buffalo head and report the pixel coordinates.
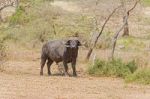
(73, 43)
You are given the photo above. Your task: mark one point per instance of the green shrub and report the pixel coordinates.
(132, 66)
(140, 76)
(19, 17)
(146, 2)
(115, 68)
(118, 68)
(131, 43)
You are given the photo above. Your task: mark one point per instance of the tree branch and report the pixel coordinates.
(133, 7)
(103, 26)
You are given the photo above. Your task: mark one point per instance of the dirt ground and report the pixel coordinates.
(21, 80)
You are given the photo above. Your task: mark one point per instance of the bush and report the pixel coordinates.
(118, 68)
(115, 68)
(20, 17)
(146, 2)
(140, 76)
(132, 66)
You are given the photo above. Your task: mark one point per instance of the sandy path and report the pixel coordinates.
(55, 87)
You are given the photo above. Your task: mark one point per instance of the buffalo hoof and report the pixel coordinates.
(67, 75)
(41, 73)
(74, 75)
(49, 74)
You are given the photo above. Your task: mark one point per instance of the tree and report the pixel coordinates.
(122, 27)
(100, 32)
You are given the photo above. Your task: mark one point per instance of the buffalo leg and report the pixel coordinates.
(66, 68)
(49, 63)
(43, 60)
(60, 68)
(74, 68)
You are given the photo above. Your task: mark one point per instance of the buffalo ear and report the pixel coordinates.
(67, 44)
(79, 43)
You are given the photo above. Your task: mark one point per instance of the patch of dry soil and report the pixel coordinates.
(21, 80)
(67, 6)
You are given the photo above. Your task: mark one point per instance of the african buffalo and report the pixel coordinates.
(60, 51)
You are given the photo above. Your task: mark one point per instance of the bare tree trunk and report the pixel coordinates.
(89, 53)
(126, 28)
(103, 26)
(116, 37)
(118, 32)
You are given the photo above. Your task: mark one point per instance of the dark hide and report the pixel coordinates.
(60, 51)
